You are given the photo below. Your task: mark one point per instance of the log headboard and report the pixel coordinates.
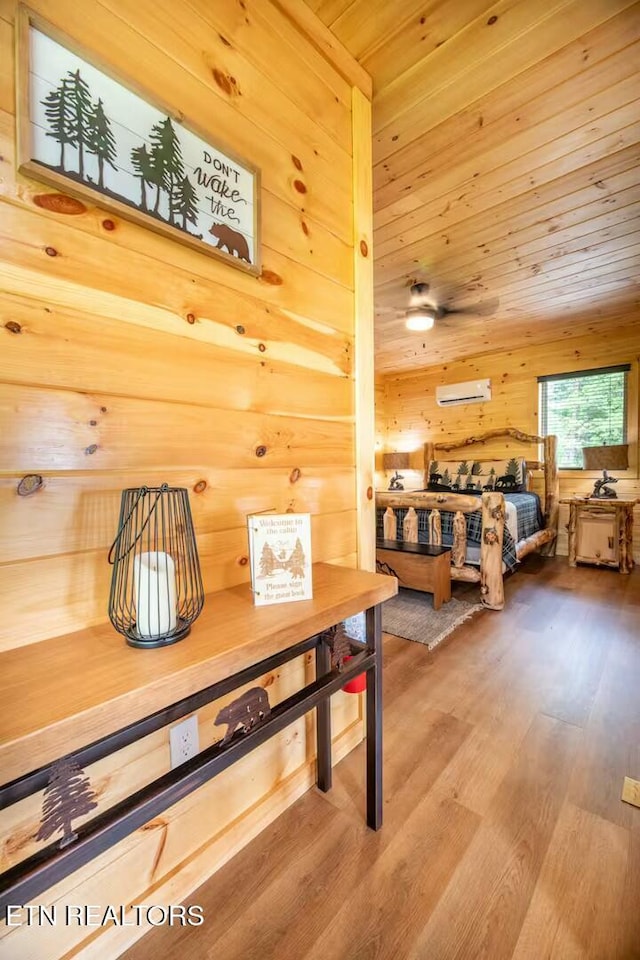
(551, 498)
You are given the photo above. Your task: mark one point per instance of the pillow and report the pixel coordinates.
(461, 476)
(438, 488)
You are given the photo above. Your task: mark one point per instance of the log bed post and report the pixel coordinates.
(410, 526)
(390, 524)
(571, 529)
(459, 548)
(435, 528)
(491, 582)
(551, 493)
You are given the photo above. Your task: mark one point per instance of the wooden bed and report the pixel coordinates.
(492, 504)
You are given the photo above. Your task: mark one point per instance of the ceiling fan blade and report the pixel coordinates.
(485, 308)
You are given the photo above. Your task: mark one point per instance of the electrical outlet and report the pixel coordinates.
(183, 741)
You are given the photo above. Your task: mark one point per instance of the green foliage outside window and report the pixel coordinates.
(584, 410)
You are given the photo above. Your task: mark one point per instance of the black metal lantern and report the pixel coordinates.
(156, 585)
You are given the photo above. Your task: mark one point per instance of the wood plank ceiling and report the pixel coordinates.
(506, 153)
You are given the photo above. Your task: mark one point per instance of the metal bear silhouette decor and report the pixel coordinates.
(68, 795)
(248, 709)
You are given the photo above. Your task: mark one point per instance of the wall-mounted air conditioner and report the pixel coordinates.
(473, 391)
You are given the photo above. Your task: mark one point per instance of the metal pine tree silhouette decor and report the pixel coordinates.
(88, 133)
(67, 796)
(75, 120)
(337, 639)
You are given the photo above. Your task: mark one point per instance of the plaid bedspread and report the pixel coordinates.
(528, 513)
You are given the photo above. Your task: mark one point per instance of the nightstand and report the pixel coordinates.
(601, 532)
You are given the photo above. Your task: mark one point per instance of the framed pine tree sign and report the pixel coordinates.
(92, 135)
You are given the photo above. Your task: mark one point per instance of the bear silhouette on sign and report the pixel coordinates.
(235, 242)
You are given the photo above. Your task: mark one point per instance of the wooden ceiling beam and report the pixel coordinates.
(327, 43)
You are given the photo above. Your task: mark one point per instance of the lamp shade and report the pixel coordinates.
(395, 461)
(613, 457)
(156, 586)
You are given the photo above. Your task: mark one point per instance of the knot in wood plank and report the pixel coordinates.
(59, 203)
(29, 484)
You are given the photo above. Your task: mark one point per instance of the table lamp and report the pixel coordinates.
(613, 457)
(395, 461)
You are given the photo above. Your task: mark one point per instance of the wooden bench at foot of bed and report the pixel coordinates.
(419, 566)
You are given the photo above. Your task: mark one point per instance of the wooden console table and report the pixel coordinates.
(88, 694)
(601, 531)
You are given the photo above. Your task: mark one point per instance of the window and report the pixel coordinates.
(584, 409)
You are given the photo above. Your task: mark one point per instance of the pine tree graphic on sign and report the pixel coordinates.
(81, 111)
(297, 561)
(166, 161)
(268, 561)
(143, 168)
(74, 120)
(58, 109)
(161, 166)
(68, 795)
(184, 202)
(100, 140)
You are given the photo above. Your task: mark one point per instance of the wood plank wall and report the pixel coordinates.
(407, 414)
(121, 363)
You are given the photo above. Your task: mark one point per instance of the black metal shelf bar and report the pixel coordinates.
(33, 876)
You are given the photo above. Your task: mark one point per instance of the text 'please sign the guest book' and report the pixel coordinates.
(280, 557)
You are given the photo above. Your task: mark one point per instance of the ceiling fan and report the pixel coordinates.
(421, 314)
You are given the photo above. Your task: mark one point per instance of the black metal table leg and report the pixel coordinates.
(374, 719)
(323, 720)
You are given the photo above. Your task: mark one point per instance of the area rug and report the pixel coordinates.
(410, 614)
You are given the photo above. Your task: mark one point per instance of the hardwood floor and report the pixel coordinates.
(504, 835)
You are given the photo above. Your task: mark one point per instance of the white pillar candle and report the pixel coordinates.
(155, 591)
